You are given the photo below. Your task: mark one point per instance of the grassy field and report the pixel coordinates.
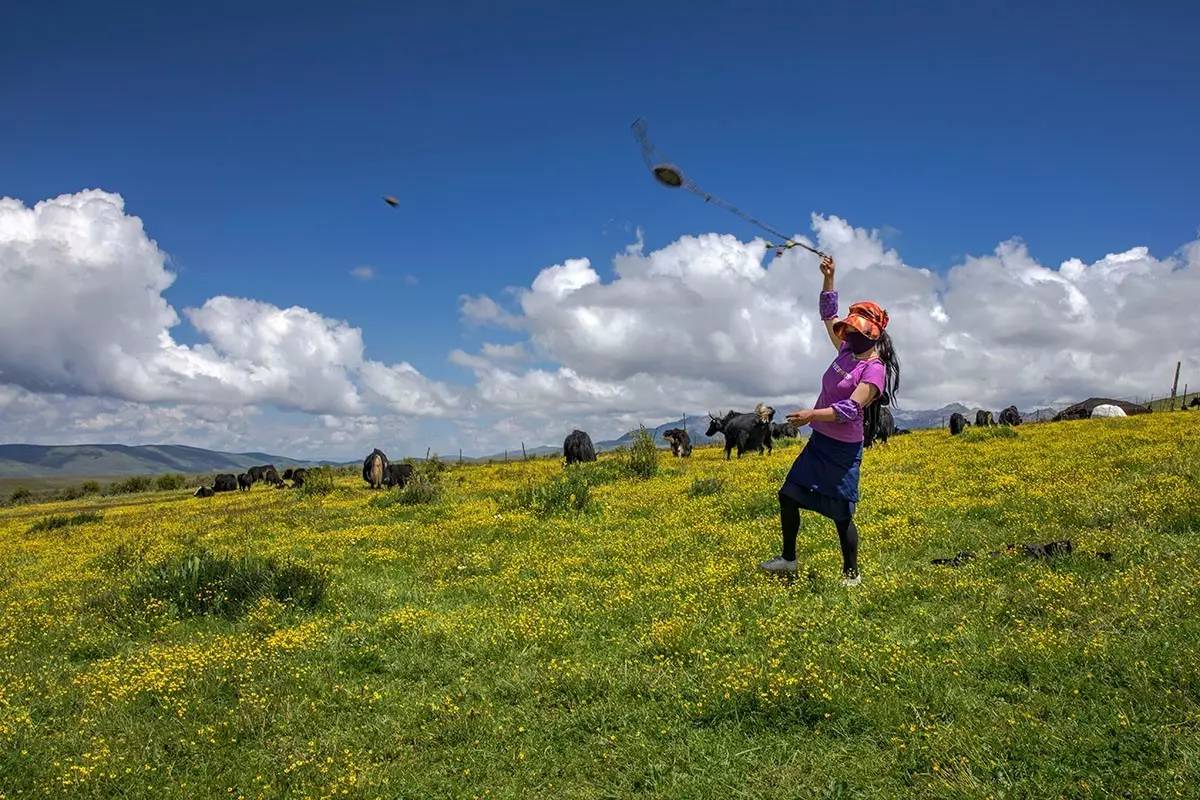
(497, 642)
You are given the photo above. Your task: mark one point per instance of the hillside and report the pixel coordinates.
(526, 634)
(30, 460)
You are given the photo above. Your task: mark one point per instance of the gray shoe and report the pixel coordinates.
(778, 566)
(851, 581)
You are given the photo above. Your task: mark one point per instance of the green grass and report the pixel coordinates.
(268, 644)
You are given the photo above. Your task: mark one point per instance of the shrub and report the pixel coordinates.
(90, 487)
(421, 488)
(705, 487)
(64, 521)
(20, 494)
(642, 459)
(974, 434)
(318, 481)
(170, 481)
(568, 493)
(131, 485)
(203, 583)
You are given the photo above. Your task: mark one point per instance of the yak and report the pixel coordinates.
(375, 467)
(878, 424)
(397, 475)
(260, 473)
(744, 431)
(1010, 416)
(244, 482)
(577, 448)
(225, 482)
(983, 419)
(681, 443)
(958, 423)
(783, 430)
(203, 491)
(271, 476)
(296, 476)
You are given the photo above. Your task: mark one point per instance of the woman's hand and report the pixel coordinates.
(798, 419)
(827, 269)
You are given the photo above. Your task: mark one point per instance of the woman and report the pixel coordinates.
(824, 477)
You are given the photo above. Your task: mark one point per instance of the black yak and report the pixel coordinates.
(397, 475)
(878, 424)
(1010, 416)
(271, 476)
(983, 419)
(296, 476)
(783, 430)
(681, 443)
(225, 482)
(244, 482)
(958, 423)
(744, 431)
(577, 448)
(203, 491)
(260, 473)
(375, 468)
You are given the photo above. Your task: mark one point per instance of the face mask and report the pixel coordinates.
(859, 344)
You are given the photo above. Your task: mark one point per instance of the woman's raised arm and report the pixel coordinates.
(829, 305)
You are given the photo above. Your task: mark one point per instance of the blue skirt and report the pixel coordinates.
(824, 477)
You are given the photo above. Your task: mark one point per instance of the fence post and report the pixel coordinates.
(524, 455)
(460, 455)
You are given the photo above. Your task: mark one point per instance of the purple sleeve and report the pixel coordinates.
(875, 374)
(828, 305)
(847, 410)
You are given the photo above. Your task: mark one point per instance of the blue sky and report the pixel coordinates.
(256, 143)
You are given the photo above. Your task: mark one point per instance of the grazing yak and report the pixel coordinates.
(375, 467)
(203, 491)
(225, 482)
(577, 448)
(1195, 403)
(397, 475)
(783, 430)
(879, 424)
(1010, 416)
(983, 419)
(244, 482)
(260, 473)
(272, 477)
(745, 431)
(296, 476)
(681, 443)
(958, 423)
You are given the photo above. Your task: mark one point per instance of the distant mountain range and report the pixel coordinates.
(33, 460)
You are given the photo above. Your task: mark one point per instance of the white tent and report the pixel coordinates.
(1108, 410)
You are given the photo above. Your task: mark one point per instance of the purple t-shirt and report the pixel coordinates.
(840, 380)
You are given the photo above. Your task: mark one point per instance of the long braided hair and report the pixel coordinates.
(872, 420)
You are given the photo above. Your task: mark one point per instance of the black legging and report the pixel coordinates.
(789, 519)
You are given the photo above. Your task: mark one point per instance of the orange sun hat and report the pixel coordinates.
(866, 317)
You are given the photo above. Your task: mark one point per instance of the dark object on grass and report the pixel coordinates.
(578, 448)
(1084, 410)
(1103, 555)
(1010, 416)
(879, 424)
(963, 557)
(783, 430)
(1047, 551)
(260, 473)
(225, 482)
(271, 476)
(983, 419)
(374, 469)
(296, 476)
(203, 491)
(958, 423)
(397, 475)
(244, 482)
(681, 443)
(744, 431)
